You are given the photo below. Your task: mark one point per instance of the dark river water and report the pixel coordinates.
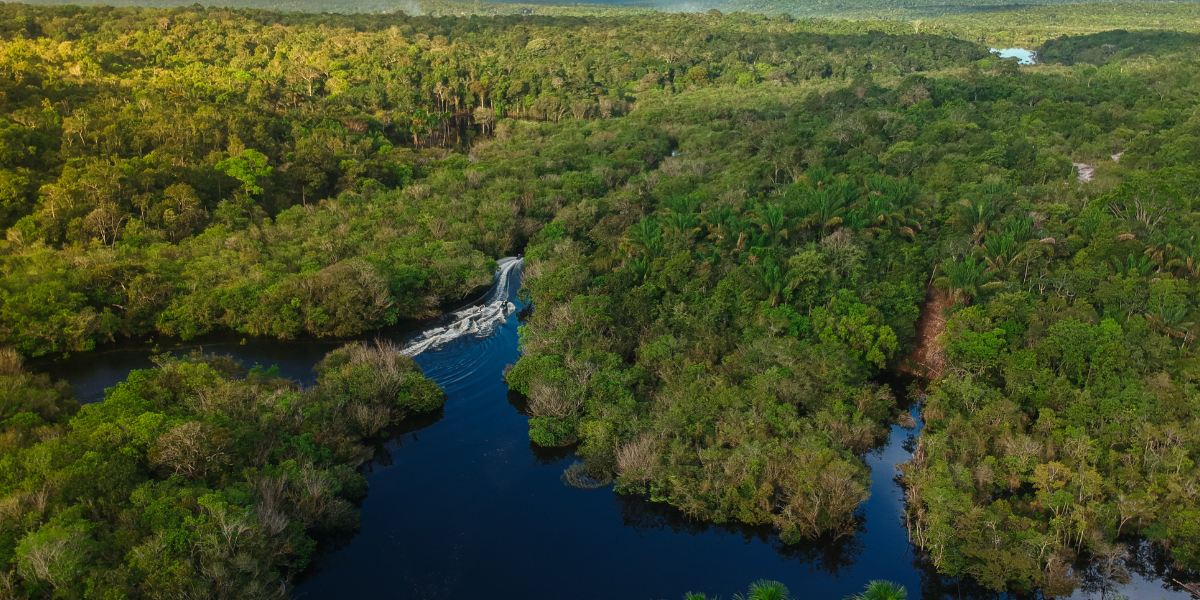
(461, 506)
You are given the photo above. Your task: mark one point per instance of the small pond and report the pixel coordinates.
(1023, 56)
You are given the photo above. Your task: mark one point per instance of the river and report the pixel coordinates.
(462, 506)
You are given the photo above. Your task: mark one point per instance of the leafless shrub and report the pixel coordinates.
(10, 510)
(532, 270)
(1142, 211)
(331, 285)
(417, 191)
(845, 255)
(648, 80)
(1023, 449)
(673, 166)
(826, 505)
(636, 460)
(610, 107)
(546, 400)
(858, 437)
(38, 500)
(370, 418)
(8, 587)
(46, 433)
(582, 371)
(559, 316)
(983, 475)
(44, 561)
(581, 110)
(273, 491)
(105, 222)
(732, 196)
(11, 362)
(914, 95)
(190, 449)
(387, 364)
(41, 559)
(438, 228)
(311, 496)
(1059, 579)
(227, 397)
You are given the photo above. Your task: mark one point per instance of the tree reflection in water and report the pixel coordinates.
(823, 555)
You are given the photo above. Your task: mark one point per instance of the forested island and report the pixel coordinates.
(736, 228)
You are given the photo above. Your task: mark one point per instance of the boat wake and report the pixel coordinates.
(479, 320)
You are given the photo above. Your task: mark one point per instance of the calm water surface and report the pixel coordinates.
(461, 506)
(1023, 56)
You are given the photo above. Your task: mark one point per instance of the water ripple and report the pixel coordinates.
(464, 338)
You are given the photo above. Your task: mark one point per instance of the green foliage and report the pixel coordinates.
(764, 589)
(550, 432)
(882, 590)
(1046, 435)
(246, 168)
(189, 479)
(725, 241)
(710, 330)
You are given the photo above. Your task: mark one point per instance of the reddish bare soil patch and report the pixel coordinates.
(928, 357)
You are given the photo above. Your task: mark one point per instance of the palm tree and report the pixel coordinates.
(1021, 230)
(900, 192)
(1001, 250)
(964, 279)
(882, 590)
(1177, 253)
(1172, 322)
(772, 219)
(976, 214)
(770, 281)
(640, 268)
(764, 589)
(686, 224)
(646, 235)
(816, 177)
(824, 207)
(1138, 267)
(682, 204)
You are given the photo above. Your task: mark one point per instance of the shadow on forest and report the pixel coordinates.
(1099, 49)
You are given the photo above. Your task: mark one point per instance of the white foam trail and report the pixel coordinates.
(481, 320)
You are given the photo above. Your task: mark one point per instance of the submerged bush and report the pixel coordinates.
(577, 476)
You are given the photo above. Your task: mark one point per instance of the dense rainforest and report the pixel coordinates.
(711, 333)
(283, 174)
(195, 479)
(731, 224)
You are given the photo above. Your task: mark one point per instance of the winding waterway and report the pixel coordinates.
(461, 506)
